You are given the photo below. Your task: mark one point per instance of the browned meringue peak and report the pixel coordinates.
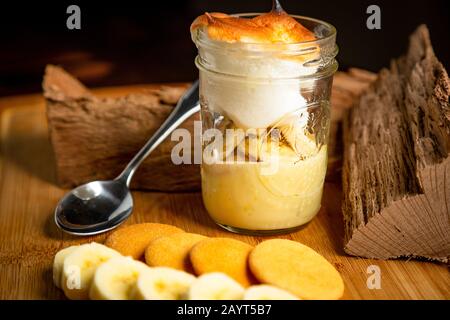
(275, 26)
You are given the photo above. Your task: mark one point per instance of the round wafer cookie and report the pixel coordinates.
(223, 255)
(172, 251)
(297, 268)
(133, 240)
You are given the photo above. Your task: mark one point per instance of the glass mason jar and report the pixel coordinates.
(265, 111)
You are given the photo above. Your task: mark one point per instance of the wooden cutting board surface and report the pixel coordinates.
(29, 238)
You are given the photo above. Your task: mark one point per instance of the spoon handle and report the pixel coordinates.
(186, 106)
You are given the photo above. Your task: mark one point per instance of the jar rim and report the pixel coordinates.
(200, 38)
(323, 73)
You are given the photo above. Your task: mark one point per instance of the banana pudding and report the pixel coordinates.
(265, 83)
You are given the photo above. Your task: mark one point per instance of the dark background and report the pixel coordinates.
(132, 42)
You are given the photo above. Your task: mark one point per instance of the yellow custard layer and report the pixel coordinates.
(243, 195)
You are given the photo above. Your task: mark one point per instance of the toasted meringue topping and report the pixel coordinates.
(272, 27)
(260, 103)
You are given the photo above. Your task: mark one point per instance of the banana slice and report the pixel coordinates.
(215, 286)
(162, 283)
(79, 268)
(267, 292)
(223, 148)
(302, 144)
(58, 263)
(115, 279)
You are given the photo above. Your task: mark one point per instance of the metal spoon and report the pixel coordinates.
(100, 206)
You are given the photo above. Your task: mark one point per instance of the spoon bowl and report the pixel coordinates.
(94, 207)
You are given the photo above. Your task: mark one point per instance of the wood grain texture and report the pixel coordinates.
(397, 160)
(29, 238)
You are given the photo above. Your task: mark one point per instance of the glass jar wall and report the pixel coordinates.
(265, 114)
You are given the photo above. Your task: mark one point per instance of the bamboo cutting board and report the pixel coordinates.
(29, 238)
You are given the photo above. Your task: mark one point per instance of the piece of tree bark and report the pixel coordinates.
(396, 174)
(94, 138)
(347, 87)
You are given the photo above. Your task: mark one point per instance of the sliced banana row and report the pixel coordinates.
(79, 267)
(162, 283)
(100, 273)
(215, 286)
(115, 279)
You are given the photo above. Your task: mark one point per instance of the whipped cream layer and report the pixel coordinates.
(254, 100)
